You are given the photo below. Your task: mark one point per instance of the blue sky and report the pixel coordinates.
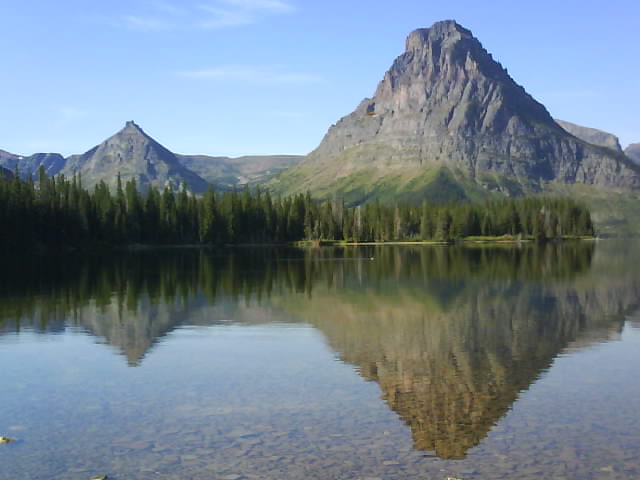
(234, 77)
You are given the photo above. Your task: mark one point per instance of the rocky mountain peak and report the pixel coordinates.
(446, 72)
(131, 127)
(133, 154)
(446, 103)
(446, 31)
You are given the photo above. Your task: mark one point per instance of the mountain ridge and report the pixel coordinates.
(30, 164)
(592, 135)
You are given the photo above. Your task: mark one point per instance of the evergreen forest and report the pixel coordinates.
(58, 212)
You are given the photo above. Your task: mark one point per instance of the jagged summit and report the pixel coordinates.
(440, 31)
(447, 67)
(132, 127)
(445, 105)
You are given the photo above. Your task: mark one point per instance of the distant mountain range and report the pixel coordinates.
(52, 163)
(135, 155)
(446, 123)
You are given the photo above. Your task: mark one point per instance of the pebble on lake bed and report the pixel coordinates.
(6, 440)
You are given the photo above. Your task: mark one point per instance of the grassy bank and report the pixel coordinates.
(503, 239)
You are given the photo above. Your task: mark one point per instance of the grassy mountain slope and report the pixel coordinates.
(225, 172)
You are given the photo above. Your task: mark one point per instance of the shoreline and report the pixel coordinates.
(468, 241)
(475, 240)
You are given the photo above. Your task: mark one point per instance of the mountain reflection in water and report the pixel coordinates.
(451, 335)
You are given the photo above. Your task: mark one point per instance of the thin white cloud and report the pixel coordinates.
(168, 7)
(147, 24)
(234, 13)
(270, 5)
(69, 113)
(222, 17)
(161, 15)
(251, 74)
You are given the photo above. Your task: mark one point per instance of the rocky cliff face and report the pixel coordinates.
(445, 102)
(133, 154)
(52, 163)
(592, 135)
(633, 152)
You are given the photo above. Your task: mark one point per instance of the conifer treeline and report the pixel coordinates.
(60, 212)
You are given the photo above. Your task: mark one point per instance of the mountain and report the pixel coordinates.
(133, 154)
(52, 163)
(5, 174)
(592, 135)
(447, 122)
(633, 152)
(226, 172)
(6, 158)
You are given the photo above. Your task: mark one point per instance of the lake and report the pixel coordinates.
(387, 362)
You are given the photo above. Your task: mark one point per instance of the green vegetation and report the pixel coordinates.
(58, 212)
(407, 185)
(614, 212)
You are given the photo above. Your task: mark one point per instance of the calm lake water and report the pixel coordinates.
(357, 363)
